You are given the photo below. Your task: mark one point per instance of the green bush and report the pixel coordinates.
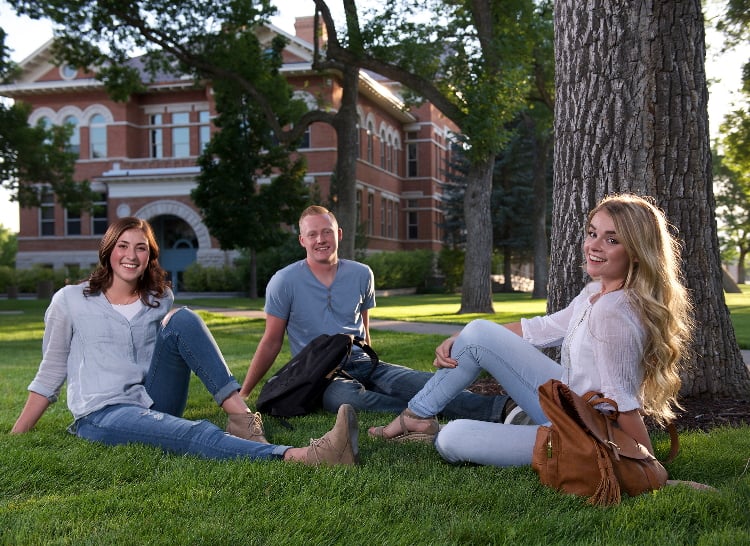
(198, 278)
(400, 269)
(194, 278)
(8, 277)
(451, 265)
(270, 261)
(27, 280)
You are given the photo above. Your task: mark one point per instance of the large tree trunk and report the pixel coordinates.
(476, 291)
(345, 123)
(631, 115)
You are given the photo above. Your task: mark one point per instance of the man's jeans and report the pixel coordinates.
(391, 387)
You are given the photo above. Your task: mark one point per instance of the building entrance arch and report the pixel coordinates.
(178, 247)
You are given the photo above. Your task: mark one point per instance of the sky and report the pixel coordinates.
(724, 69)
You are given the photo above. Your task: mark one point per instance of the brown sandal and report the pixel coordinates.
(406, 435)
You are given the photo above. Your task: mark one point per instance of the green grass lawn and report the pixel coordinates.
(508, 308)
(57, 489)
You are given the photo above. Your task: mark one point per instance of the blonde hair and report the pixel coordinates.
(315, 210)
(655, 290)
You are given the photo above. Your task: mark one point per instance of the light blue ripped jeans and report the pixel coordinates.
(516, 365)
(184, 346)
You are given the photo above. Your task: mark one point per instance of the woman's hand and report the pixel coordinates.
(36, 405)
(443, 354)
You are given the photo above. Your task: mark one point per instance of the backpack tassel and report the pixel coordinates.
(608, 490)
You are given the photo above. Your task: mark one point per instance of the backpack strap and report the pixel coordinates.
(369, 351)
(359, 342)
(593, 398)
(674, 443)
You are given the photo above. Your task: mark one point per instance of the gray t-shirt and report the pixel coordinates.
(294, 294)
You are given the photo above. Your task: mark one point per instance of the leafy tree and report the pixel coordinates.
(733, 168)
(240, 212)
(514, 201)
(8, 247)
(733, 193)
(735, 24)
(34, 156)
(452, 206)
(631, 115)
(472, 60)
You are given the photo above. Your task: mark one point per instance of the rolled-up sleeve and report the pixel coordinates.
(549, 330)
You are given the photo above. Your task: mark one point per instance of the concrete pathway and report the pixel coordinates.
(394, 325)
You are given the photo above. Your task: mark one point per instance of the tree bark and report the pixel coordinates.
(631, 116)
(345, 123)
(741, 274)
(476, 290)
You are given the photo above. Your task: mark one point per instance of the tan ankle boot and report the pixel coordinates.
(247, 425)
(340, 444)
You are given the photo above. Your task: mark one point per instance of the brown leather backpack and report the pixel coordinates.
(585, 452)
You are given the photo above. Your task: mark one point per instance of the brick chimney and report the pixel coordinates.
(303, 28)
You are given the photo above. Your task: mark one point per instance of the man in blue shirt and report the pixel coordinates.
(324, 294)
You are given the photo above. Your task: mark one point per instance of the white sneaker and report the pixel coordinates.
(517, 416)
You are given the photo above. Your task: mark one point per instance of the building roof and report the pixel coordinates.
(35, 69)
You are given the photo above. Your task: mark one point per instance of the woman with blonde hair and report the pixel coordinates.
(624, 335)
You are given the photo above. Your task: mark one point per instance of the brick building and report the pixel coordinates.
(140, 157)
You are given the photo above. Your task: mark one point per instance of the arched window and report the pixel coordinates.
(74, 142)
(388, 158)
(370, 137)
(97, 136)
(382, 149)
(359, 143)
(45, 123)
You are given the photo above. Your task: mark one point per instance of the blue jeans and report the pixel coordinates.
(518, 366)
(391, 387)
(183, 346)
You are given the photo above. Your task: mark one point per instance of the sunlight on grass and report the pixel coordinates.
(508, 308)
(739, 308)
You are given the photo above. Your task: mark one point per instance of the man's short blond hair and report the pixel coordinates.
(315, 210)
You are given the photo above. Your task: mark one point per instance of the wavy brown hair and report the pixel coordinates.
(655, 290)
(153, 282)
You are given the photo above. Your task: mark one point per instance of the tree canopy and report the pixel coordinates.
(474, 62)
(239, 211)
(8, 247)
(33, 156)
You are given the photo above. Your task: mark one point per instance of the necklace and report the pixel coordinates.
(134, 297)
